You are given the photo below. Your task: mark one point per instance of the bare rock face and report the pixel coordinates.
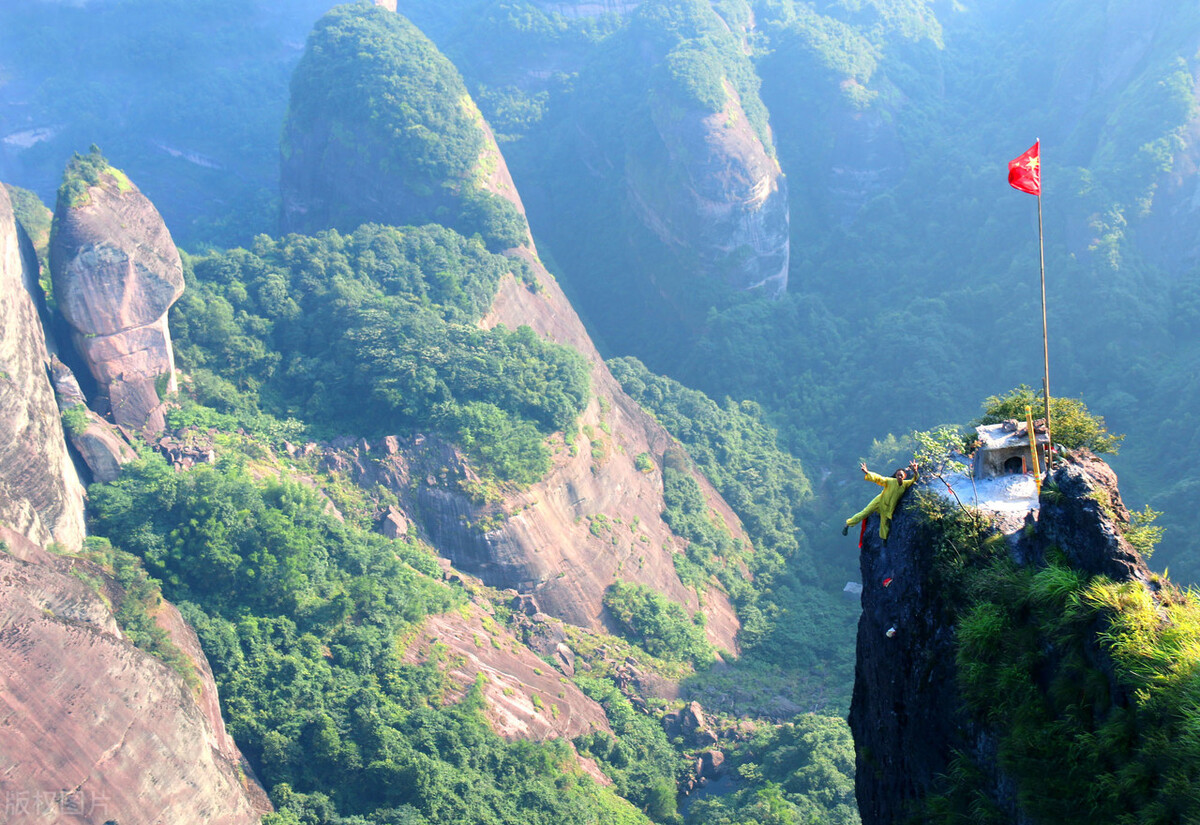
(40, 494)
(95, 730)
(526, 698)
(98, 443)
(116, 272)
(564, 532)
(713, 188)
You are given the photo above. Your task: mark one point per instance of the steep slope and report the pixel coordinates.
(584, 486)
(1042, 676)
(40, 495)
(709, 187)
(95, 729)
(380, 128)
(546, 541)
(642, 148)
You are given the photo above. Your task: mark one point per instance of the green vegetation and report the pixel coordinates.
(1088, 684)
(300, 617)
(32, 214)
(1142, 532)
(782, 601)
(798, 772)
(75, 420)
(641, 762)
(695, 55)
(391, 116)
(84, 171)
(137, 600)
(659, 625)
(374, 333)
(1071, 423)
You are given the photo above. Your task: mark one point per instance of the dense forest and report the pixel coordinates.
(337, 279)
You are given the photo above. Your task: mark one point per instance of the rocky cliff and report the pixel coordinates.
(352, 154)
(40, 494)
(116, 272)
(596, 518)
(601, 480)
(525, 697)
(711, 187)
(968, 635)
(95, 730)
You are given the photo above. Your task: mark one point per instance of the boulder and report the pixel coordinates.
(116, 272)
(98, 443)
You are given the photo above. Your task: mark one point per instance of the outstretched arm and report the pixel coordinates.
(870, 476)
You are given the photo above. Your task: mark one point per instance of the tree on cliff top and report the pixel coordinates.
(84, 171)
(1072, 425)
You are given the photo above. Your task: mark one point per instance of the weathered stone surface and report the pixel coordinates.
(539, 541)
(713, 189)
(101, 447)
(94, 729)
(1086, 521)
(710, 764)
(40, 494)
(116, 272)
(394, 524)
(549, 546)
(513, 677)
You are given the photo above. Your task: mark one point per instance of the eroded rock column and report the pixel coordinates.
(116, 272)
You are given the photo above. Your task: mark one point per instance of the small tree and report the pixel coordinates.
(1071, 424)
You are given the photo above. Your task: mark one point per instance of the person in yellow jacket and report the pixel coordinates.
(884, 503)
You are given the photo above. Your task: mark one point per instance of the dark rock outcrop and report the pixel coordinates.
(907, 714)
(40, 494)
(1085, 518)
(116, 272)
(904, 712)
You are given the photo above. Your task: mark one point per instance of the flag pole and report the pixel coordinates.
(1045, 335)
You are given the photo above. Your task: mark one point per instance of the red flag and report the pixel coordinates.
(1025, 172)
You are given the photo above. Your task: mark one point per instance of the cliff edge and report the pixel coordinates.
(1042, 675)
(40, 494)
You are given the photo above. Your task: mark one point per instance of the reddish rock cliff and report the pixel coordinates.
(40, 494)
(93, 729)
(574, 563)
(526, 698)
(116, 272)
